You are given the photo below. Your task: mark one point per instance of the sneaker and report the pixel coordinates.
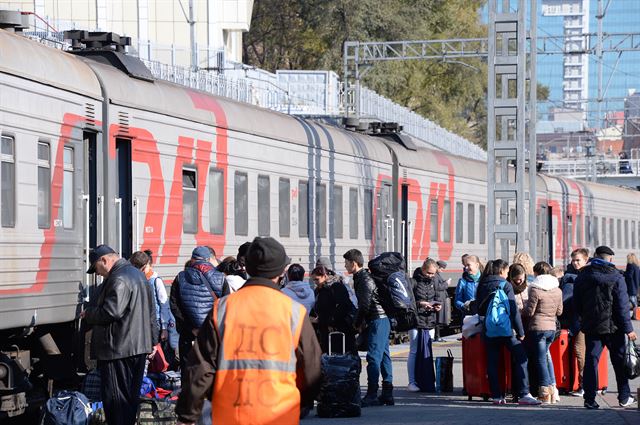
(498, 401)
(628, 403)
(591, 405)
(529, 400)
(577, 393)
(413, 388)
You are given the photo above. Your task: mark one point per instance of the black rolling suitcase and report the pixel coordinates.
(339, 395)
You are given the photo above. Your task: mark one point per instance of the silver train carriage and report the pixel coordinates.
(93, 152)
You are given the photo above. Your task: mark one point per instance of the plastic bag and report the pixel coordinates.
(471, 325)
(632, 360)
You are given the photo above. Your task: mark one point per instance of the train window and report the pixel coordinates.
(321, 210)
(626, 234)
(337, 211)
(241, 203)
(303, 209)
(446, 222)
(603, 228)
(587, 230)
(612, 232)
(433, 220)
(44, 185)
(284, 207)
(596, 235)
(353, 213)
(471, 224)
(189, 201)
(633, 235)
(579, 230)
(619, 233)
(216, 201)
(67, 189)
(368, 213)
(482, 224)
(264, 206)
(570, 228)
(7, 182)
(459, 223)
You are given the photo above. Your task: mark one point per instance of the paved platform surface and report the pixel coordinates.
(454, 408)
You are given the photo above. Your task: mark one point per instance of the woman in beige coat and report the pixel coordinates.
(542, 308)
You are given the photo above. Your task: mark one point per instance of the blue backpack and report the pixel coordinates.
(497, 322)
(67, 408)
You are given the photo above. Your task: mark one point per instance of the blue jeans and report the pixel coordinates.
(633, 299)
(378, 356)
(413, 350)
(616, 344)
(540, 342)
(520, 378)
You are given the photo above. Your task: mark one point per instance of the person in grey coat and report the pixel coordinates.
(124, 332)
(297, 289)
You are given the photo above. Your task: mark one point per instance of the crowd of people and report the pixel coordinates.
(248, 332)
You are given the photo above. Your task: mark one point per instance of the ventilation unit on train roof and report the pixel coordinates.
(108, 48)
(13, 21)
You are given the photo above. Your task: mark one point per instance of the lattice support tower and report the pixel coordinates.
(508, 187)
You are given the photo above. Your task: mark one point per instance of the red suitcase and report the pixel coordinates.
(474, 368)
(565, 365)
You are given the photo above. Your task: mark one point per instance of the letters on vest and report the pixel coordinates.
(256, 374)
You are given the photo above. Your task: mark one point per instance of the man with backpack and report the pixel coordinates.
(372, 319)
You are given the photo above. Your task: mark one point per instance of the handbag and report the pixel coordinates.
(158, 363)
(444, 373)
(632, 360)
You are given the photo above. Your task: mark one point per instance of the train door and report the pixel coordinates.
(124, 201)
(385, 225)
(92, 203)
(405, 225)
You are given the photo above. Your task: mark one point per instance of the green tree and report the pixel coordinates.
(310, 34)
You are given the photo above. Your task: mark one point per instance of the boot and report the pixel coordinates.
(371, 398)
(386, 398)
(544, 395)
(555, 394)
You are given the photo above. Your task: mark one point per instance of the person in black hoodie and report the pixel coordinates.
(601, 301)
(333, 309)
(495, 273)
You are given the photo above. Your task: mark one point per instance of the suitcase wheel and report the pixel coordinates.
(485, 398)
(469, 398)
(603, 391)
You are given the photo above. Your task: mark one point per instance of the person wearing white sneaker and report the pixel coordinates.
(630, 400)
(600, 299)
(413, 388)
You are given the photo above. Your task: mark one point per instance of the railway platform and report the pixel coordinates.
(454, 408)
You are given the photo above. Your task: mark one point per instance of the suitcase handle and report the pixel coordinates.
(344, 349)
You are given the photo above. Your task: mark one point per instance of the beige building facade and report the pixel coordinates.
(159, 29)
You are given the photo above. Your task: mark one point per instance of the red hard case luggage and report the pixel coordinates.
(474, 368)
(565, 365)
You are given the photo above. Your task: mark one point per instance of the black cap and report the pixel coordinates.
(604, 250)
(441, 264)
(266, 258)
(95, 254)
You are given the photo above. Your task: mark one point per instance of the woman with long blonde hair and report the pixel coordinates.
(632, 278)
(525, 260)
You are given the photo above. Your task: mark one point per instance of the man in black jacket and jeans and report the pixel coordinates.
(124, 332)
(601, 301)
(372, 317)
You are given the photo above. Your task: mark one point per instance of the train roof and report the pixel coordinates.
(175, 100)
(28, 59)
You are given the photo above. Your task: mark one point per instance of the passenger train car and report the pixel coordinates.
(94, 150)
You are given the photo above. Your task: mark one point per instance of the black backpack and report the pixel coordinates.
(395, 290)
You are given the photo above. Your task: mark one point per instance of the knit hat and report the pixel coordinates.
(441, 264)
(242, 249)
(266, 258)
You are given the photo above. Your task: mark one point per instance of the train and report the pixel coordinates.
(95, 150)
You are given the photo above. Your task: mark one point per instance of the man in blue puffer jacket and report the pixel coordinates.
(193, 293)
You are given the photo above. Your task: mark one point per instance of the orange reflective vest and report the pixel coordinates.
(255, 382)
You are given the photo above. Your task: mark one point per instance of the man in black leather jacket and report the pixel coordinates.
(600, 300)
(372, 317)
(124, 332)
